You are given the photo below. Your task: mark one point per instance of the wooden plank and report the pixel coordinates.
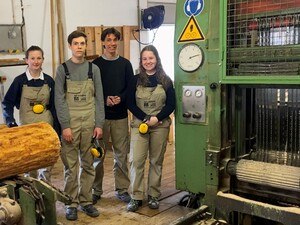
(98, 42)
(90, 48)
(60, 33)
(53, 36)
(126, 39)
(11, 62)
(82, 29)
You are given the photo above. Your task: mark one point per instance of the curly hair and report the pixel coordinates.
(161, 75)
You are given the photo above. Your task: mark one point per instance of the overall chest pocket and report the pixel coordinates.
(77, 95)
(32, 94)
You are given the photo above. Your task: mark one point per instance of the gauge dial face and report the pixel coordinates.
(190, 57)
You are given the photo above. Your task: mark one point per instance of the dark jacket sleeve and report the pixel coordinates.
(12, 99)
(128, 76)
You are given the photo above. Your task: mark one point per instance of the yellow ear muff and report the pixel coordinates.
(143, 128)
(97, 151)
(38, 108)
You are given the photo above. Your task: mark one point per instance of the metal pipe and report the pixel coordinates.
(139, 21)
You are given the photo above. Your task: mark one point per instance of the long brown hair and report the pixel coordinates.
(161, 75)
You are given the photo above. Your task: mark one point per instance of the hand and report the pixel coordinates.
(109, 101)
(98, 133)
(116, 100)
(67, 135)
(113, 100)
(152, 121)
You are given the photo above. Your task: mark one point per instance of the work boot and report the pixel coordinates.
(96, 198)
(133, 205)
(90, 210)
(153, 202)
(125, 197)
(71, 213)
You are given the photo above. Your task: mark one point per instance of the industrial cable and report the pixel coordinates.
(143, 43)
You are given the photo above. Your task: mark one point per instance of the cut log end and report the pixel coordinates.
(26, 148)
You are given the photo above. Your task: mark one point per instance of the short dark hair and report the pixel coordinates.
(110, 30)
(33, 48)
(76, 34)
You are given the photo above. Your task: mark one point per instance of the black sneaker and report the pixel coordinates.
(96, 198)
(71, 213)
(133, 205)
(125, 197)
(153, 202)
(90, 210)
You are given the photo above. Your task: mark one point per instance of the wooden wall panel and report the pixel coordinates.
(94, 44)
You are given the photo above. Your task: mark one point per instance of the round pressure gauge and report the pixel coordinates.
(190, 57)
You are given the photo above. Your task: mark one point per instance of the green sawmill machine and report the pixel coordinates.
(237, 127)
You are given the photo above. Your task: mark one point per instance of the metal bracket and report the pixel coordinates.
(213, 158)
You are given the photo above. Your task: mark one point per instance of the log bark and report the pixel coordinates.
(26, 148)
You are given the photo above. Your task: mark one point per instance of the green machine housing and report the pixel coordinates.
(237, 119)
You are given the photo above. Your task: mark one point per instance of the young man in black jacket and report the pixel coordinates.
(116, 72)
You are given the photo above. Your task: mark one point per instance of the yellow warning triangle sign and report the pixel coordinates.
(191, 31)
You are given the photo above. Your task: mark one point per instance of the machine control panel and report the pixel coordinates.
(193, 104)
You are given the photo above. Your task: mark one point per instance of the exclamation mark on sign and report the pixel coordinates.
(191, 28)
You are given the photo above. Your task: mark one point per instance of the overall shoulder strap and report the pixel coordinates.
(67, 76)
(90, 73)
(66, 71)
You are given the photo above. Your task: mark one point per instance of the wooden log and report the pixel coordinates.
(26, 148)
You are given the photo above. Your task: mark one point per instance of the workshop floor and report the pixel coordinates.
(113, 211)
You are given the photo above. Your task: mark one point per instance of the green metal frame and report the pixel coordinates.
(283, 79)
(198, 143)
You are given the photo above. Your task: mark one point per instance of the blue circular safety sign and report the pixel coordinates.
(193, 7)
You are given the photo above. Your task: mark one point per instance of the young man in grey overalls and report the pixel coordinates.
(80, 110)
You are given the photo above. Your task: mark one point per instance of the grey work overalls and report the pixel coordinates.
(81, 103)
(29, 97)
(151, 100)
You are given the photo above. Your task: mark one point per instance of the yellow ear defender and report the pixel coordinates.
(97, 151)
(143, 128)
(38, 108)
